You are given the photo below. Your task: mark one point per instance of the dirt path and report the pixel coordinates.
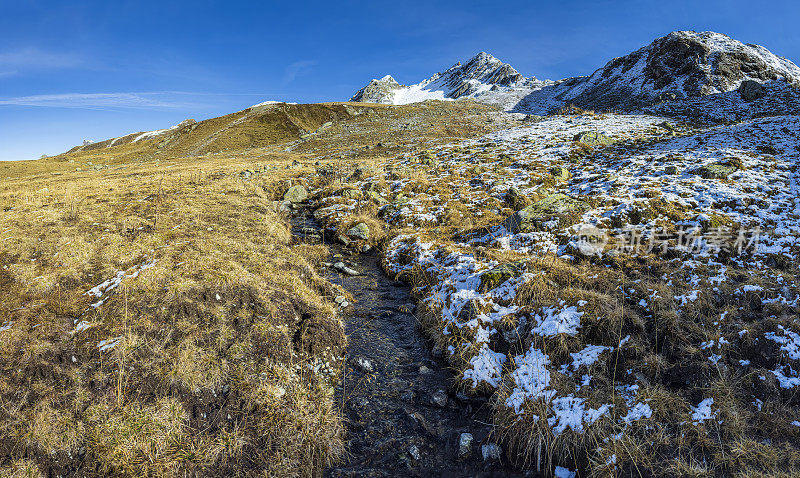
(401, 417)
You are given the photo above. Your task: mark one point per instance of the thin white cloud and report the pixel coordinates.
(296, 69)
(5, 74)
(96, 100)
(35, 58)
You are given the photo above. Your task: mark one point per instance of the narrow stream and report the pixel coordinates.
(402, 418)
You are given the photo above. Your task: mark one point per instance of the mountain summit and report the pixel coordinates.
(675, 67)
(679, 66)
(482, 77)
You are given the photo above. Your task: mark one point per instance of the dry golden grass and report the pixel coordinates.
(217, 321)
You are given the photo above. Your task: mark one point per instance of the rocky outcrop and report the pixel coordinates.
(378, 91)
(676, 67)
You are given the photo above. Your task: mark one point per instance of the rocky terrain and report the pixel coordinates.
(592, 277)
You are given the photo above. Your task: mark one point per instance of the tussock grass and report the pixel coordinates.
(222, 347)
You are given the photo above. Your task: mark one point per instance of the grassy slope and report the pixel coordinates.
(210, 373)
(224, 342)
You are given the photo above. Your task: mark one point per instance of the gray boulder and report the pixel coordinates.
(360, 232)
(751, 90)
(557, 206)
(296, 194)
(593, 138)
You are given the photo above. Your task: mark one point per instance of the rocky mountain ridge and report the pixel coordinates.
(482, 77)
(680, 66)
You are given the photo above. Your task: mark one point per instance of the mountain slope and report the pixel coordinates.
(258, 126)
(482, 77)
(678, 67)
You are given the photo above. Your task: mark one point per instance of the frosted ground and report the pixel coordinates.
(563, 361)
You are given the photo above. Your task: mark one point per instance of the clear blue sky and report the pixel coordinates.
(71, 70)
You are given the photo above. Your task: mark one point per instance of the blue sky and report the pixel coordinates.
(99, 69)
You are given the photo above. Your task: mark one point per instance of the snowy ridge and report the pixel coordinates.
(680, 67)
(482, 77)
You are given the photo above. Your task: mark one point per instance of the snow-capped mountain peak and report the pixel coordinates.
(481, 76)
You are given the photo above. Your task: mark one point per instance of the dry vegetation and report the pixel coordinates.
(217, 352)
(223, 345)
(155, 315)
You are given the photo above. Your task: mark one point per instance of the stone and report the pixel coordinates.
(359, 232)
(341, 267)
(498, 275)
(561, 173)
(325, 212)
(671, 169)
(413, 451)
(751, 90)
(717, 170)
(282, 206)
(465, 445)
(557, 206)
(491, 452)
(593, 138)
(344, 240)
(351, 193)
(439, 398)
(515, 199)
(667, 126)
(296, 194)
(376, 196)
(363, 364)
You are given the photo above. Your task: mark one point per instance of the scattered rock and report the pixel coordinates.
(497, 275)
(413, 451)
(360, 232)
(465, 445)
(557, 206)
(751, 90)
(491, 452)
(516, 200)
(363, 364)
(424, 370)
(344, 240)
(717, 170)
(325, 212)
(439, 398)
(341, 267)
(376, 196)
(593, 138)
(561, 173)
(296, 194)
(351, 193)
(671, 169)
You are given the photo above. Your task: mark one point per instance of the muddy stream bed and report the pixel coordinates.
(401, 415)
